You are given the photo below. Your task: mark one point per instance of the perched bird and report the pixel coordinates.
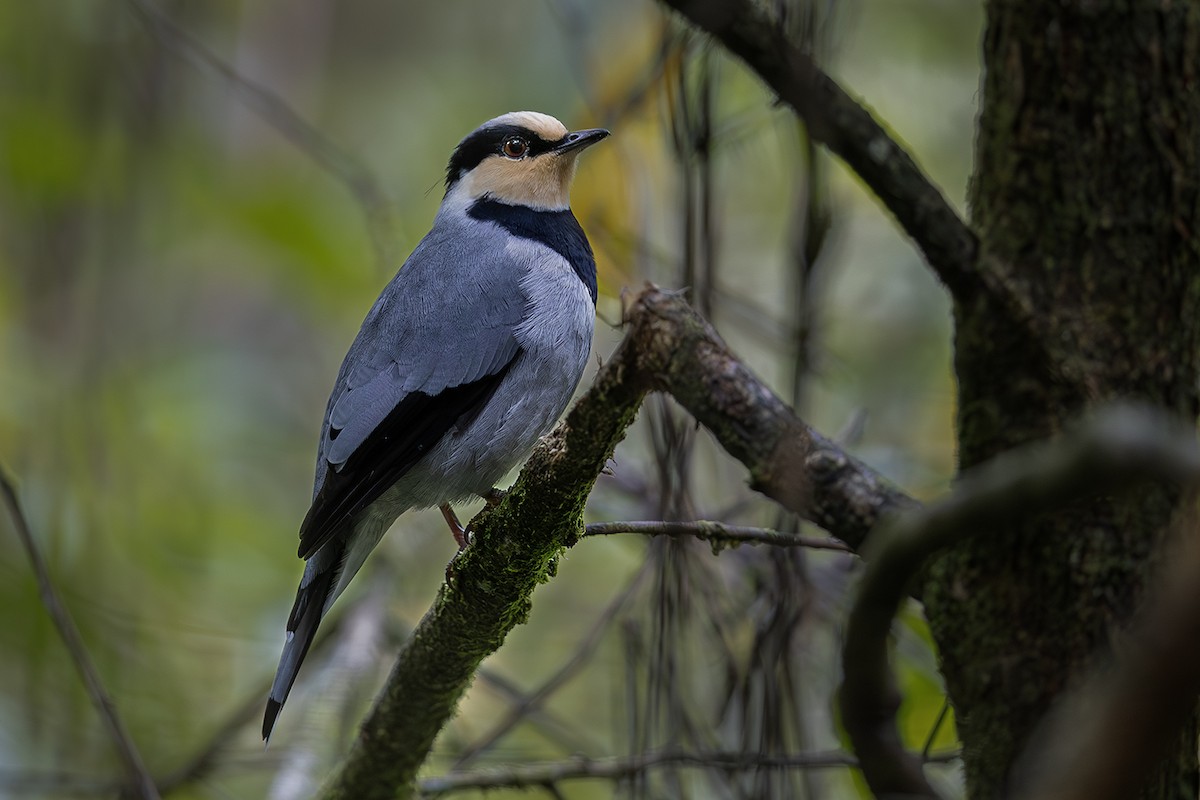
(469, 355)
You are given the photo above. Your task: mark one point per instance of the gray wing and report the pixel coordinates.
(433, 348)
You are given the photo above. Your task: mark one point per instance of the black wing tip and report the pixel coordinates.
(273, 708)
(307, 535)
(410, 430)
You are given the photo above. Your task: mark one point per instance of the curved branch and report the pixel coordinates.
(840, 123)
(531, 775)
(668, 348)
(1109, 453)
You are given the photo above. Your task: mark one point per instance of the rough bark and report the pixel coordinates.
(1085, 195)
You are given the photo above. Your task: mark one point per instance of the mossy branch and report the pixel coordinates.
(669, 348)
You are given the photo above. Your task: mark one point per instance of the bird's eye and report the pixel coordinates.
(516, 147)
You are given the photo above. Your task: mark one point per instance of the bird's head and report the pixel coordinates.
(521, 158)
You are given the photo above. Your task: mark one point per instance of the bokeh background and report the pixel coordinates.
(183, 261)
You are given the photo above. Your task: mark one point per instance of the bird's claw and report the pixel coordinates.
(456, 529)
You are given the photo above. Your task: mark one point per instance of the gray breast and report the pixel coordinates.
(554, 337)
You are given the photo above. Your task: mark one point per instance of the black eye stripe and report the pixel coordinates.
(490, 141)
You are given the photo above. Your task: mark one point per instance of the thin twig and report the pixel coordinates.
(620, 768)
(60, 785)
(848, 129)
(552, 727)
(579, 658)
(377, 206)
(933, 731)
(209, 755)
(143, 783)
(680, 354)
(1112, 452)
(717, 533)
(16, 783)
(206, 759)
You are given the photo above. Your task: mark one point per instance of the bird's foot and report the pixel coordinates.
(493, 497)
(456, 529)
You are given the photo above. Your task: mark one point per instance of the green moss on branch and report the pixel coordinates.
(668, 347)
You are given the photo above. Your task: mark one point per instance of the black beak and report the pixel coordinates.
(577, 140)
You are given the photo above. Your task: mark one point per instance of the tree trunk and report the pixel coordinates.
(1085, 196)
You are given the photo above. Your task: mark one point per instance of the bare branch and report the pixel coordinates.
(1111, 452)
(376, 205)
(532, 701)
(562, 733)
(669, 348)
(60, 785)
(17, 783)
(143, 783)
(531, 775)
(680, 354)
(848, 129)
(206, 759)
(212, 754)
(717, 533)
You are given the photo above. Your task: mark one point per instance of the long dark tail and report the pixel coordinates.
(301, 628)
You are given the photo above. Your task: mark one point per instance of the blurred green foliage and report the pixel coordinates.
(178, 283)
